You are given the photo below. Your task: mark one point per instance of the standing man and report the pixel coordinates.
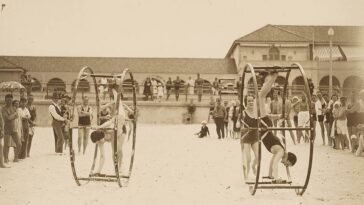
(84, 124)
(10, 115)
(215, 87)
(57, 123)
(238, 87)
(219, 116)
(275, 107)
(199, 87)
(169, 85)
(177, 85)
(33, 117)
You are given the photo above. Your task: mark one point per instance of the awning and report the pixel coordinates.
(322, 53)
(353, 53)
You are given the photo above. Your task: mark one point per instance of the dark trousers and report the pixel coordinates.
(176, 92)
(24, 145)
(220, 127)
(58, 133)
(30, 138)
(55, 140)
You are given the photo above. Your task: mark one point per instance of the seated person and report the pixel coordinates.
(204, 130)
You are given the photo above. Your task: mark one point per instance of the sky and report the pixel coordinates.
(154, 28)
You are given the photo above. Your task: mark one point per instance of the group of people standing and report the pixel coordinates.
(61, 113)
(17, 121)
(154, 90)
(225, 117)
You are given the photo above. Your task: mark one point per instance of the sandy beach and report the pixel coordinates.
(172, 166)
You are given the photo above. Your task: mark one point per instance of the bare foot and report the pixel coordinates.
(4, 166)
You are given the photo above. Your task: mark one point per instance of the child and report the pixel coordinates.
(160, 91)
(204, 130)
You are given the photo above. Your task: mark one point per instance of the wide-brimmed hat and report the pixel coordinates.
(204, 122)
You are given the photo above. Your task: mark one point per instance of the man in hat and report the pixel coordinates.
(57, 123)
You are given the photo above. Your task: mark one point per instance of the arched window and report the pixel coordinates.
(273, 53)
(298, 86)
(128, 86)
(324, 84)
(83, 85)
(56, 84)
(206, 89)
(36, 85)
(352, 83)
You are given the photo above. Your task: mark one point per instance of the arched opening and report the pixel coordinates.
(36, 85)
(83, 86)
(281, 81)
(55, 85)
(274, 53)
(206, 87)
(298, 86)
(352, 83)
(324, 84)
(128, 86)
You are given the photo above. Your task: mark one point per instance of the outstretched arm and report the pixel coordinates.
(267, 86)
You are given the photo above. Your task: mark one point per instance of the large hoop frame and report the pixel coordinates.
(249, 68)
(88, 72)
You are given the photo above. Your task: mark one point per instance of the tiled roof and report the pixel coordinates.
(343, 35)
(136, 65)
(6, 64)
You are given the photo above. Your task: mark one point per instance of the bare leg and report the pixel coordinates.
(85, 138)
(247, 157)
(80, 137)
(255, 149)
(278, 153)
(102, 156)
(322, 132)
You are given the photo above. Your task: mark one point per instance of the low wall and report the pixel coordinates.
(149, 112)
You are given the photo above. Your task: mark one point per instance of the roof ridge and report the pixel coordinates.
(291, 32)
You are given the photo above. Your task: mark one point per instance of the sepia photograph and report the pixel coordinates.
(181, 102)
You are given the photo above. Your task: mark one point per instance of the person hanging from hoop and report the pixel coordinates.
(270, 141)
(105, 133)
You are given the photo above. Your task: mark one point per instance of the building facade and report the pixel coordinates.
(282, 45)
(270, 45)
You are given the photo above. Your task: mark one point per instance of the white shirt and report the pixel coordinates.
(24, 113)
(55, 115)
(318, 107)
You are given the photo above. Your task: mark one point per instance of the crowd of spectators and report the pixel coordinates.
(17, 121)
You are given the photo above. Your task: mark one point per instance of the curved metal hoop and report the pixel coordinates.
(248, 67)
(82, 75)
(134, 103)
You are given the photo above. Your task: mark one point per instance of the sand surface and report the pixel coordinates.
(172, 166)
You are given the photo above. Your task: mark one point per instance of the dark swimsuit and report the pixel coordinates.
(252, 137)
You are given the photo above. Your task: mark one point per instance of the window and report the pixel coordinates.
(273, 53)
(283, 57)
(245, 58)
(264, 57)
(289, 58)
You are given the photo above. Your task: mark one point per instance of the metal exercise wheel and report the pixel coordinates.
(257, 184)
(88, 72)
